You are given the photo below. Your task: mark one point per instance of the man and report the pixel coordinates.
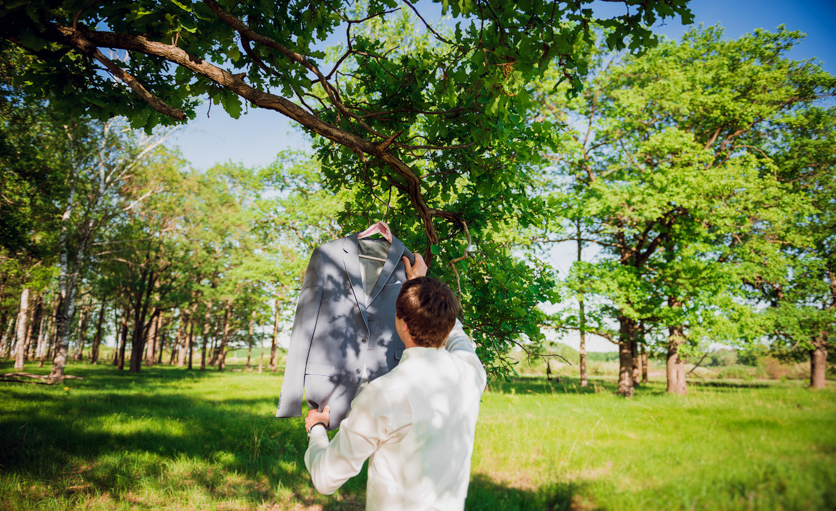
(416, 424)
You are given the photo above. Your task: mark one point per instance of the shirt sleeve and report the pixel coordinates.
(332, 464)
(460, 345)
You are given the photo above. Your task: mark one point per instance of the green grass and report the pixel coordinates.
(173, 439)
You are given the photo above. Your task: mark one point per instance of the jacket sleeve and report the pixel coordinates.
(304, 325)
(409, 255)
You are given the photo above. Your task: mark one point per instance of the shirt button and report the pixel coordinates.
(364, 340)
(357, 371)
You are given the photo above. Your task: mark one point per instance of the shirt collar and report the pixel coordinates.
(418, 352)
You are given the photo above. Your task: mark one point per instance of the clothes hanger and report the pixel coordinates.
(376, 228)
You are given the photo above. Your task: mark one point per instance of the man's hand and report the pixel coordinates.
(419, 269)
(315, 416)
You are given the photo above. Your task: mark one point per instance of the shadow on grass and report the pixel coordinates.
(523, 385)
(727, 384)
(540, 385)
(115, 434)
(154, 440)
(486, 494)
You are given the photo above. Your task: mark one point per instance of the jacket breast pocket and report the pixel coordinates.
(320, 383)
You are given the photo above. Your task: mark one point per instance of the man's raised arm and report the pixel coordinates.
(460, 345)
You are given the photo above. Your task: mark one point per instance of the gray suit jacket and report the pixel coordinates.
(338, 328)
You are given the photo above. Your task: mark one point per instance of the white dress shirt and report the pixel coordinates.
(416, 425)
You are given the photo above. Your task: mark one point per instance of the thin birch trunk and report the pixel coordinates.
(66, 287)
(261, 358)
(81, 340)
(205, 335)
(214, 348)
(123, 336)
(250, 340)
(675, 368)
(161, 338)
(151, 341)
(274, 352)
(23, 313)
(178, 349)
(94, 354)
(35, 326)
(191, 337)
(140, 326)
(6, 346)
(225, 338)
(182, 339)
(581, 317)
(43, 338)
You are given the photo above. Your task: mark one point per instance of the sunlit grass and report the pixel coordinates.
(174, 439)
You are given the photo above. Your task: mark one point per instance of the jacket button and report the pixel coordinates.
(357, 371)
(364, 340)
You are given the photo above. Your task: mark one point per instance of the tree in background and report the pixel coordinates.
(665, 161)
(297, 213)
(802, 300)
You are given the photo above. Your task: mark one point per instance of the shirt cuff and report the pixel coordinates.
(318, 435)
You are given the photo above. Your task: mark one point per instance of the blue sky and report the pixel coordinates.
(256, 137)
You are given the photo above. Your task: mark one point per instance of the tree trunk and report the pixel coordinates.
(818, 363)
(250, 340)
(637, 369)
(214, 348)
(43, 338)
(182, 340)
(644, 365)
(161, 338)
(27, 339)
(4, 337)
(581, 315)
(123, 336)
(274, 352)
(52, 335)
(22, 315)
(82, 333)
(33, 331)
(117, 333)
(140, 326)
(261, 358)
(626, 337)
(675, 369)
(205, 334)
(225, 338)
(6, 346)
(191, 337)
(35, 327)
(94, 353)
(178, 349)
(66, 290)
(151, 340)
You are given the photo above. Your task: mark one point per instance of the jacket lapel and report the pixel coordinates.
(351, 261)
(392, 260)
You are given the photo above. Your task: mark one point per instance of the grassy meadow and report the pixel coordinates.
(174, 439)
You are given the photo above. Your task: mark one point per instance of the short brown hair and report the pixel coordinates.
(429, 309)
